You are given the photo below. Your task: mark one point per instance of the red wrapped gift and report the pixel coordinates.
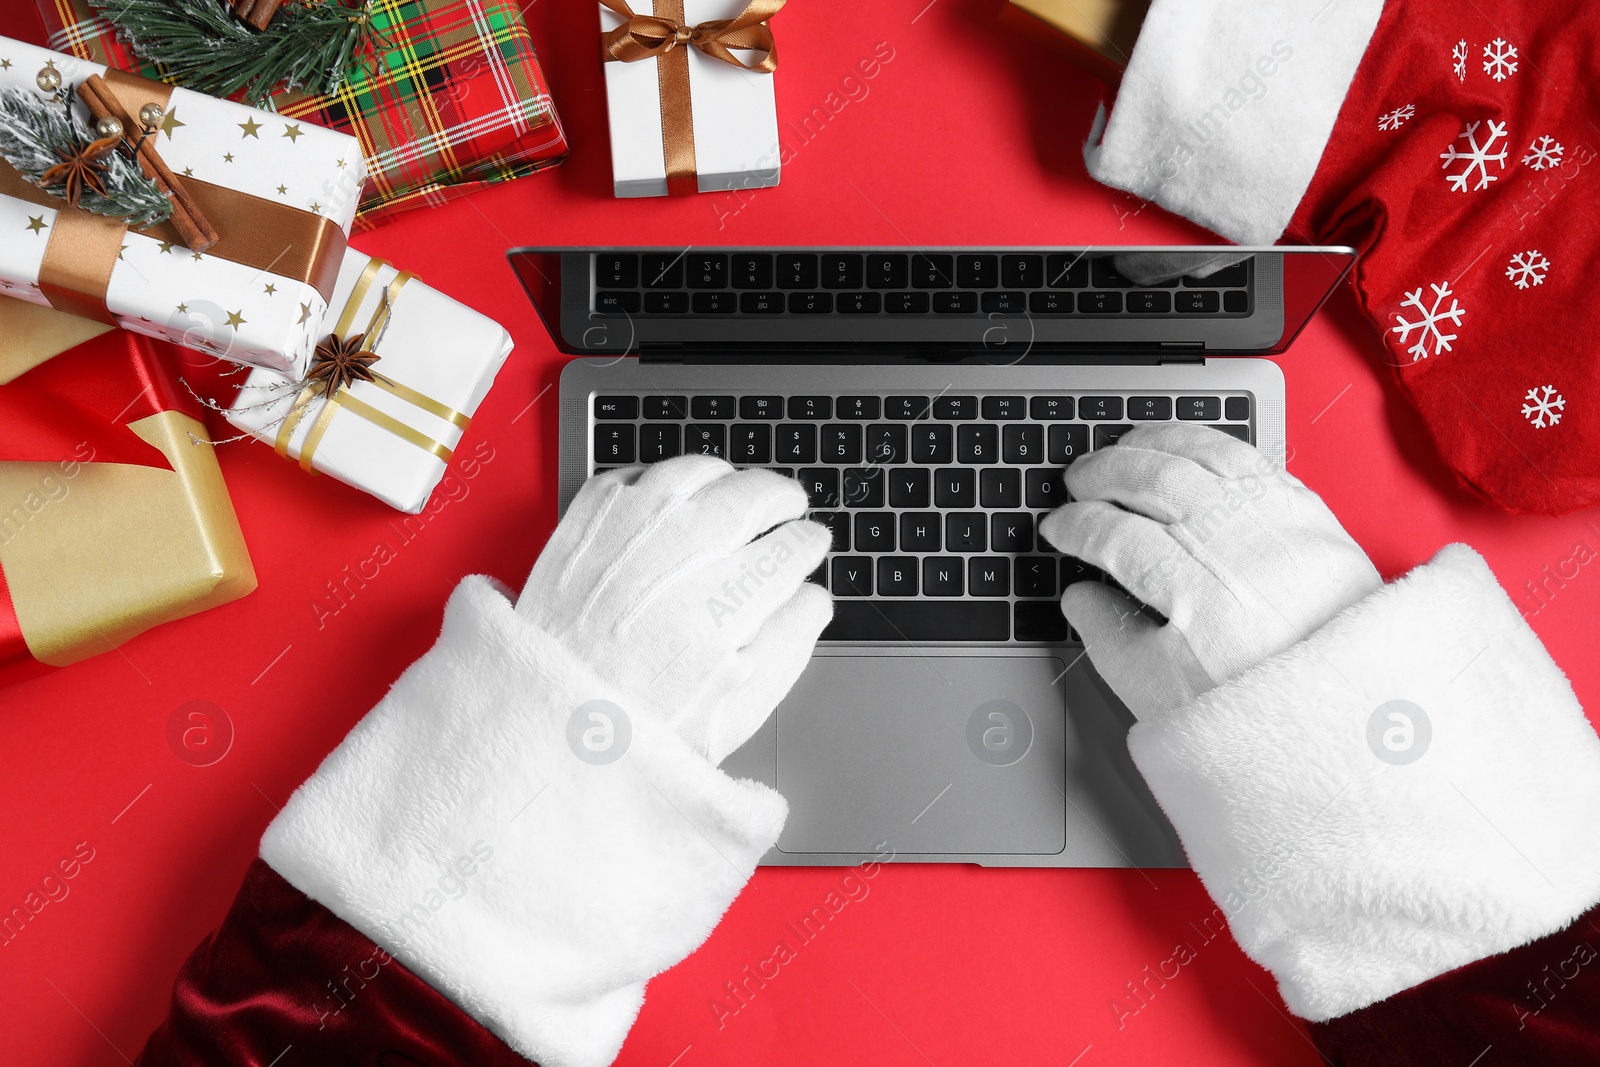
(113, 514)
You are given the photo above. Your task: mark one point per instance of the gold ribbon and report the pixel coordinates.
(659, 36)
(83, 248)
(343, 400)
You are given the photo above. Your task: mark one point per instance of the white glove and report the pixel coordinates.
(656, 577)
(1242, 559)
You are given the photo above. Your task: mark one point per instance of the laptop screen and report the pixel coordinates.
(860, 304)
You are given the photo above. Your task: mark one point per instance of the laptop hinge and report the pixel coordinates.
(1086, 353)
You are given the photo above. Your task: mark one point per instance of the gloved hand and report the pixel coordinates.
(1242, 559)
(656, 577)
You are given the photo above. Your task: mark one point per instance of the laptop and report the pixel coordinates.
(929, 400)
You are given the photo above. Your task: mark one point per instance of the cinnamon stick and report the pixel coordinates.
(197, 232)
(257, 13)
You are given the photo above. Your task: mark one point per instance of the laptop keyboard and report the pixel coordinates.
(899, 282)
(934, 501)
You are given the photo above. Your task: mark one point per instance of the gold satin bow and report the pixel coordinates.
(659, 36)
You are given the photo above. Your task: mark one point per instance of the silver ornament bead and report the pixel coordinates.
(109, 126)
(151, 116)
(49, 80)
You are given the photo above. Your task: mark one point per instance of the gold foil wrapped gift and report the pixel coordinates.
(113, 519)
(1096, 34)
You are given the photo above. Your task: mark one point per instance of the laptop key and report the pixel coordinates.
(1045, 302)
(887, 270)
(852, 576)
(1236, 302)
(905, 303)
(859, 303)
(1067, 443)
(966, 531)
(918, 620)
(1108, 434)
(1034, 576)
(1199, 408)
(988, 576)
(796, 443)
(752, 270)
(944, 576)
(714, 303)
(797, 270)
(761, 407)
(811, 407)
(666, 407)
(711, 407)
(821, 485)
(886, 443)
(838, 524)
(1099, 303)
(842, 270)
(1148, 408)
(1011, 531)
(1241, 432)
(706, 270)
(977, 271)
(1104, 408)
(750, 443)
(1199, 302)
(1074, 569)
(706, 439)
(810, 303)
(897, 576)
(1066, 271)
(1004, 407)
(618, 303)
(955, 407)
(1005, 302)
(666, 303)
(859, 407)
(619, 270)
(955, 303)
(932, 444)
(921, 531)
(1104, 273)
(863, 487)
(616, 407)
(906, 407)
(761, 303)
(977, 444)
(932, 271)
(841, 443)
(659, 441)
(663, 270)
(1237, 408)
(1022, 272)
(1150, 301)
(874, 531)
(1050, 408)
(1000, 487)
(955, 487)
(614, 443)
(1044, 487)
(911, 487)
(1040, 620)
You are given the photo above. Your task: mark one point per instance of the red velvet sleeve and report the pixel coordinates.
(1535, 1005)
(284, 973)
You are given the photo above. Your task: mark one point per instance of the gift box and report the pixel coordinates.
(113, 514)
(1097, 34)
(281, 195)
(452, 100)
(393, 435)
(689, 95)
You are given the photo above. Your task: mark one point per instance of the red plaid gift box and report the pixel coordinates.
(454, 99)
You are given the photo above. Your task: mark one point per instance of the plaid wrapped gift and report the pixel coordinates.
(454, 100)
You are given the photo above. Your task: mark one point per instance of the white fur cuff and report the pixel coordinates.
(476, 825)
(1412, 788)
(1226, 107)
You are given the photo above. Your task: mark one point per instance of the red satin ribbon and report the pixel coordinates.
(76, 408)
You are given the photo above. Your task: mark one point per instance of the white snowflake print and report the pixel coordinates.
(1527, 268)
(1499, 59)
(1478, 156)
(1429, 321)
(1544, 154)
(1459, 55)
(1545, 407)
(1396, 118)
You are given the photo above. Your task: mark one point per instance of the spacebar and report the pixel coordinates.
(919, 620)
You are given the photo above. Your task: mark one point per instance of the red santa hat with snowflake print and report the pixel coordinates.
(1455, 145)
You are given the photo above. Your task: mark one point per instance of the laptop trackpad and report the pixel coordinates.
(947, 754)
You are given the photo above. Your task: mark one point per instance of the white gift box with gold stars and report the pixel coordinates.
(249, 314)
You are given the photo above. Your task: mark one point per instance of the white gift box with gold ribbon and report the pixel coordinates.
(392, 436)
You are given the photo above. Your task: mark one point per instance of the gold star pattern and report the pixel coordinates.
(283, 190)
(166, 246)
(292, 131)
(188, 172)
(35, 223)
(235, 319)
(249, 126)
(305, 313)
(270, 289)
(182, 309)
(5, 64)
(196, 255)
(170, 122)
(315, 206)
(341, 164)
(121, 250)
(227, 157)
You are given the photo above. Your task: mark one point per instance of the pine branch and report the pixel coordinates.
(201, 45)
(37, 133)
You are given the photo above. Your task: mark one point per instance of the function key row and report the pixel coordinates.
(877, 270)
(967, 302)
(1005, 408)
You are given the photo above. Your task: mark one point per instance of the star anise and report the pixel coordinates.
(340, 361)
(81, 169)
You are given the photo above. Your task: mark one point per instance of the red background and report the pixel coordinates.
(970, 134)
